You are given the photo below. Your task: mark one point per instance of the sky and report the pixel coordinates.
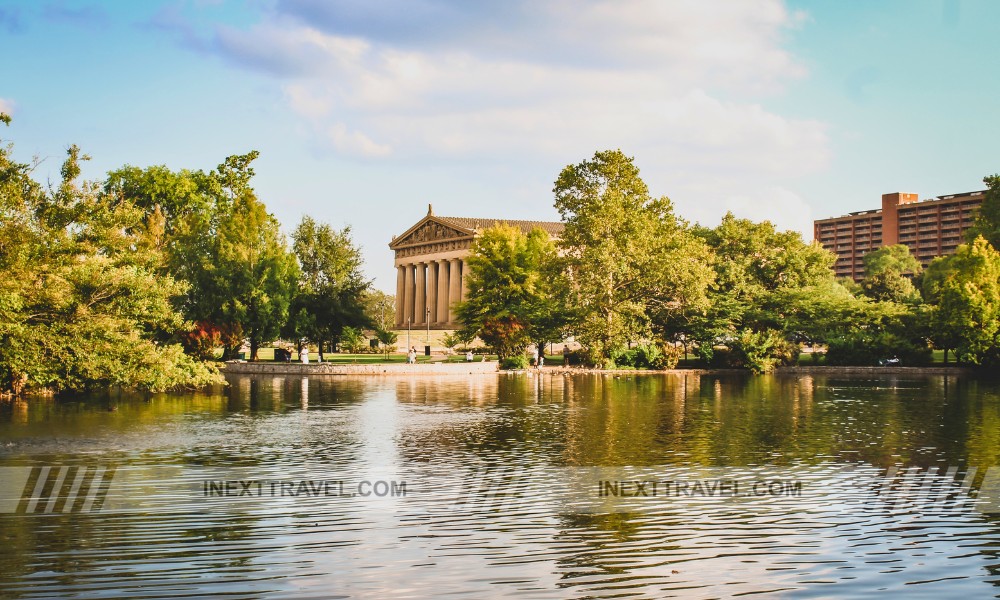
(365, 112)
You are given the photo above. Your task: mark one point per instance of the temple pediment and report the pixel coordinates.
(428, 231)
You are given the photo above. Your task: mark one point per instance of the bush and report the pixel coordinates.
(202, 341)
(574, 357)
(762, 351)
(705, 352)
(867, 350)
(621, 358)
(667, 358)
(353, 340)
(513, 363)
(647, 356)
(722, 358)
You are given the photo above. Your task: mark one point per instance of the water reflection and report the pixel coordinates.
(444, 431)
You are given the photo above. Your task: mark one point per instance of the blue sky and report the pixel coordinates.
(365, 112)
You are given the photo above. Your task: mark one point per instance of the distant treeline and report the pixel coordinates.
(637, 286)
(139, 279)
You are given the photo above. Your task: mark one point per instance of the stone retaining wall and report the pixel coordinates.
(915, 371)
(278, 368)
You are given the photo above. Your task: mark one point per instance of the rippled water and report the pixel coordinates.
(498, 502)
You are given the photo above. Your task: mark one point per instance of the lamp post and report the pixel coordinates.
(407, 334)
(428, 341)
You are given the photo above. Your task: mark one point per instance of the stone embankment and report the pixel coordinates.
(432, 368)
(443, 368)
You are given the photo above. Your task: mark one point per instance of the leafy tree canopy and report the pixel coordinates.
(84, 301)
(629, 258)
(988, 219)
(331, 285)
(511, 290)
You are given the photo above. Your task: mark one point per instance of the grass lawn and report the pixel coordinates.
(267, 354)
(364, 359)
(460, 358)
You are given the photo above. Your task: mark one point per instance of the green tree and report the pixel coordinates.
(627, 255)
(254, 265)
(965, 289)
(511, 300)
(379, 308)
(888, 274)
(331, 289)
(763, 279)
(185, 211)
(84, 302)
(352, 340)
(895, 258)
(387, 339)
(987, 222)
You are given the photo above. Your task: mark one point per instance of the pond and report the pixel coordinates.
(538, 486)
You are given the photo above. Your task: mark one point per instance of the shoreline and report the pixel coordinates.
(420, 369)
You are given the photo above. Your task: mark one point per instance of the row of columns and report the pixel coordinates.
(429, 289)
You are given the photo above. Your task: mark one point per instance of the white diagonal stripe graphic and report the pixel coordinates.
(71, 498)
(95, 487)
(39, 486)
(54, 494)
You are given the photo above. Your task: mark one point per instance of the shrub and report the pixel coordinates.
(668, 357)
(513, 363)
(762, 351)
(202, 341)
(869, 349)
(621, 358)
(574, 357)
(644, 355)
(353, 340)
(706, 353)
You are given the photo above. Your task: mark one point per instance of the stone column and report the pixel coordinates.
(421, 296)
(408, 296)
(400, 292)
(432, 291)
(454, 288)
(442, 292)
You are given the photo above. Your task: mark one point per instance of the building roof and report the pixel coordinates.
(471, 223)
(910, 205)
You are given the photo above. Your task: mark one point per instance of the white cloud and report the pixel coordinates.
(665, 78)
(681, 85)
(355, 142)
(6, 106)
(783, 207)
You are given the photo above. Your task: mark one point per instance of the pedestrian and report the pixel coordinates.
(468, 356)
(411, 357)
(304, 353)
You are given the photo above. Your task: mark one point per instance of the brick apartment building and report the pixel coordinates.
(931, 228)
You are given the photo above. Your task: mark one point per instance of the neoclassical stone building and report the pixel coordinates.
(430, 266)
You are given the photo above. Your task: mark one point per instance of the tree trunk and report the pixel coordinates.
(230, 352)
(254, 345)
(319, 350)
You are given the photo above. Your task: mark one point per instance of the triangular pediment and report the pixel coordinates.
(429, 230)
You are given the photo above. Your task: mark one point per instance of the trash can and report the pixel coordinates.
(427, 350)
